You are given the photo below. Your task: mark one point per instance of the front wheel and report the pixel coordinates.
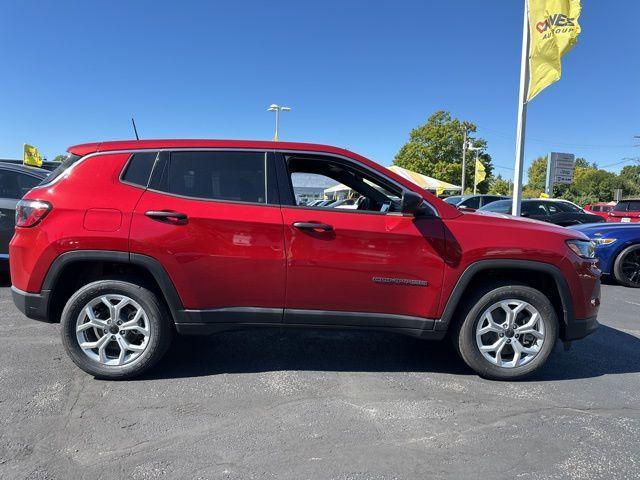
(507, 333)
(626, 268)
(114, 329)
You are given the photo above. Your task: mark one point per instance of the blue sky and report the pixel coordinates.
(358, 74)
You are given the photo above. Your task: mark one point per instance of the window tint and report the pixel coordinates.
(628, 205)
(552, 208)
(60, 169)
(501, 206)
(568, 207)
(453, 200)
(15, 185)
(232, 176)
(533, 208)
(490, 198)
(139, 168)
(473, 202)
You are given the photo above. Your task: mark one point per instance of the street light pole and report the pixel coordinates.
(464, 159)
(277, 108)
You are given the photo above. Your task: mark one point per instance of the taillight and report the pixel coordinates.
(30, 212)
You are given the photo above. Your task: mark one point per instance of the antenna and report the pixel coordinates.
(135, 130)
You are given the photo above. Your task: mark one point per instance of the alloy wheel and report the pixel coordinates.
(630, 266)
(113, 330)
(510, 333)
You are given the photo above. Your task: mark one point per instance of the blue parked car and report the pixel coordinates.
(618, 249)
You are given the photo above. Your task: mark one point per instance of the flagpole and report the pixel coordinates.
(522, 115)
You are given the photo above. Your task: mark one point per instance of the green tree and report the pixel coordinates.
(630, 180)
(59, 158)
(500, 186)
(590, 184)
(537, 175)
(435, 149)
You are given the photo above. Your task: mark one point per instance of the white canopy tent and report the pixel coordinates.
(423, 181)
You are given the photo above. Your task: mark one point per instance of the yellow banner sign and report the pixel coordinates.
(31, 156)
(481, 172)
(553, 30)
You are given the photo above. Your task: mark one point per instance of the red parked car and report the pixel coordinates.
(626, 211)
(601, 209)
(128, 241)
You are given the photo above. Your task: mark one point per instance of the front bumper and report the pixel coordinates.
(33, 305)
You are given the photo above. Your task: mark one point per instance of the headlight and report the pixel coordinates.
(603, 241)
(582, 248)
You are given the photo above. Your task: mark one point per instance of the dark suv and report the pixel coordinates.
(128, 242)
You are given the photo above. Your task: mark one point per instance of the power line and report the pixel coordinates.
(624, 160)
(549, 142)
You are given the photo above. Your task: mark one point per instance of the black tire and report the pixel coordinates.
(619, 273)
(160, 329)
(464, 338)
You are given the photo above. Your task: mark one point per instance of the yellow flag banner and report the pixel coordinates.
(481, 173)
(31, 156)
(553, 30)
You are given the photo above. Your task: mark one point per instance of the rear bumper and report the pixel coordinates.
(580, 328)
(33, 305)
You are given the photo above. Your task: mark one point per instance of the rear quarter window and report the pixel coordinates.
(139, 167)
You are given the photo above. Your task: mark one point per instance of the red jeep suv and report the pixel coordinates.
(128, 242)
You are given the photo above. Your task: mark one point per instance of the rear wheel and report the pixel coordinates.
(626, 268)
(115, 329)
(507, 332)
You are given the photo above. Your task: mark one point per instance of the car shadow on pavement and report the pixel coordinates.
(607, 351)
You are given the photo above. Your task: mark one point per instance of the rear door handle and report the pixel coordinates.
(167, 216)
(313, 226)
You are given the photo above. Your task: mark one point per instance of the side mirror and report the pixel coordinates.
(413, 203)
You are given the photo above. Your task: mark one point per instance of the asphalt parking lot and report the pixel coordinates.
(307, 404)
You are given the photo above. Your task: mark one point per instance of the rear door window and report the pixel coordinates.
(227, 176)
(534, 208)
(15, 185)
(473, 202)
(627, 206)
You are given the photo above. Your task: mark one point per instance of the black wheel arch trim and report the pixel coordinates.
(153, 266)
(507, 264)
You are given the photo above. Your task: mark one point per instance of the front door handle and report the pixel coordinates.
(313, 226)
(167, 216)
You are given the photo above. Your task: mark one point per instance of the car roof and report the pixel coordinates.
(87, 148)
(35, 171)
